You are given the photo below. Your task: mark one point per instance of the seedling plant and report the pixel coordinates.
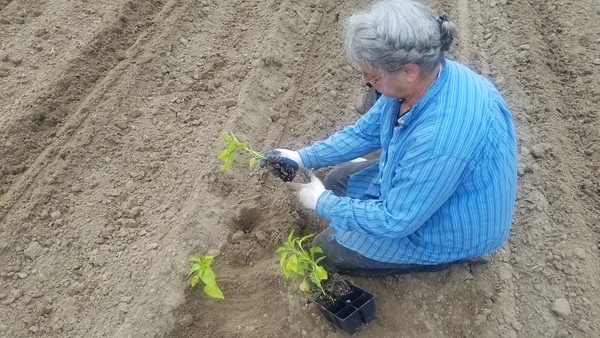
(201, 271)
(298, 262)
(233, 147)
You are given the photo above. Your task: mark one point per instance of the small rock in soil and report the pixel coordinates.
(130, 186)
(33, 250)
(55, 215)
(580, 253)
(214, 252)
(238, 237)
(538, 150)
(517, 326)
(123, 307)
(17, 293)
(229, 103)
(186, 320)
(126, 299)
(561, 308)
(76, 288)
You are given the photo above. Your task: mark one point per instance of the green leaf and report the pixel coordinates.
(193, 269)
(286, 268)
(315, 249)
(252, 162)
(304, 238)
(228, 164)
(293, 263)
(195, 280)
(228, 138)
(207, 260)
(320, 272)
(195, 259)
(208, 276)
(282, 258)
(213, 291)
(305, 286)
(224, 154)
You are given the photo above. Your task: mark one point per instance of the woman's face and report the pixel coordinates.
(389, 84)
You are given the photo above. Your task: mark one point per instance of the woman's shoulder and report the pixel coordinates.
(465, 77)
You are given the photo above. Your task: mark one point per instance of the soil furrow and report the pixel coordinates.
(30, 133)
(561, 198)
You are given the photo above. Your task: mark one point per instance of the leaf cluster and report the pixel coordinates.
(296, 262)
(232, 148)
(201, 270)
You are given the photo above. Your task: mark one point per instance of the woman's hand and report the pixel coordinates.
(283, 163)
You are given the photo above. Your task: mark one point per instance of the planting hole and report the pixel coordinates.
(246, 220)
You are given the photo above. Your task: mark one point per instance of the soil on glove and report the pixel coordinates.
(112, 115)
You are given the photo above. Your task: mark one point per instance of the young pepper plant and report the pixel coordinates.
(297, 262)
(201, 270)
(233, 145)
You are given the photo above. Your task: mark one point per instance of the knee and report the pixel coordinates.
(336, 181)
(323, 239)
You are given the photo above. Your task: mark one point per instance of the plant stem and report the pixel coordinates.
(254, 153)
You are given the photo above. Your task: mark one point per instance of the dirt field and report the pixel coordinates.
(112, 114)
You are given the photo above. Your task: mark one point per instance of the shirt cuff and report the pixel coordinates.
(309, 158)
(325, 204)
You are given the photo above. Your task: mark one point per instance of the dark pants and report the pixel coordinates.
(345, 261)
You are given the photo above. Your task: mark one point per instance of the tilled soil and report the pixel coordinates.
(112, 114)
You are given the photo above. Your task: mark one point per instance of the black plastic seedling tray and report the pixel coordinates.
(350, 311)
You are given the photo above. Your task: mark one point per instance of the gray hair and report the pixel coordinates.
(393, 33)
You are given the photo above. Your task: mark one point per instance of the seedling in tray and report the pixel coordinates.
(346, 305)
(297, 261)
(232, 148)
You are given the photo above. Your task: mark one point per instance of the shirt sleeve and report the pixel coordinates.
(349, 143)
(419, 189)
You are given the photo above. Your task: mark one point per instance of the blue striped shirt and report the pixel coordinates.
(445, 184)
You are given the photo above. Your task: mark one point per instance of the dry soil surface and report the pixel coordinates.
(112, 113)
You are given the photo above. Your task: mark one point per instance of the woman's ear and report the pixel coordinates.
(411, 71)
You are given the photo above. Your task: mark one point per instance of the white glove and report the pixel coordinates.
(308, 193)
(358, 159)
(292, 155)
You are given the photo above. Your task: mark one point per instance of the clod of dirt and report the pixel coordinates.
(33, 250)
(238, 237)
(561, 308)
(286, 172)
(335, 286)
(186, 320)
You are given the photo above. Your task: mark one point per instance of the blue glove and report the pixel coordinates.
(282, 163)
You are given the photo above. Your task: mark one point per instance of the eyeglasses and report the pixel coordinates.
(370, 80)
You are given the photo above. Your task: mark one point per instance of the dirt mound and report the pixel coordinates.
(112, 117)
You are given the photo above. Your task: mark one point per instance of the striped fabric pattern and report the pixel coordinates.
(445, 184)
